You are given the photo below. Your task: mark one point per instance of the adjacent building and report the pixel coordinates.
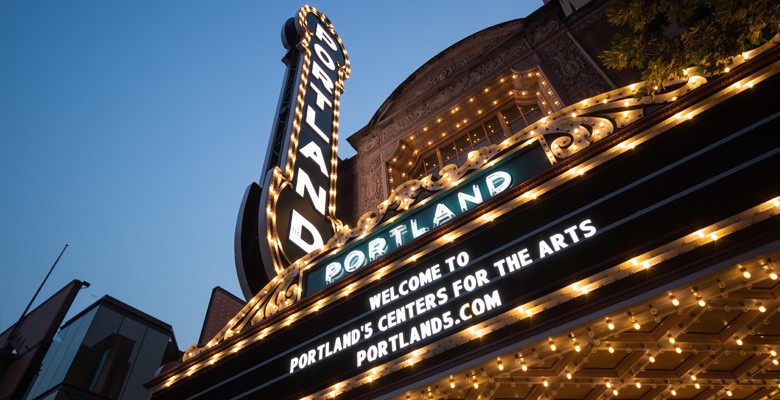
(107, 351)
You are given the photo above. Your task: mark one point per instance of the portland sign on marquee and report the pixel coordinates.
(295, 213)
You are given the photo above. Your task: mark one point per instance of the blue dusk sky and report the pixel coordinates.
(130, 131)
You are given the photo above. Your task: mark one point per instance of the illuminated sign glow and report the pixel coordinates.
(474, 190)
(295, 213)
(450, 292)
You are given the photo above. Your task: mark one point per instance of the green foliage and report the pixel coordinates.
(662, 37)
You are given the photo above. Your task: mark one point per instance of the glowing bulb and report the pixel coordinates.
(678, 349)
(773, 276)
(702, 303)
(761, 308)
(674, 392)
(728, 393)
(577, 348)
(638, 385)
(652, 359)
(524, 367)
(739, 342)
(746, 274)
(545, 383)
(611, 349)
(636, 325)
(568, 375)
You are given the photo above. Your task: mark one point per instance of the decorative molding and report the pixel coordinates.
(616, 110)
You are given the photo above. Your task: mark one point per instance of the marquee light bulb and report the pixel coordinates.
(702, 303)
(761, 307)
(568, 375)
(739, 342)
(674, 392)
(728, 393)
(652, 359)
(545, 383)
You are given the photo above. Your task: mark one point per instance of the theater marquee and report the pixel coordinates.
(514, 246)
(296, 210)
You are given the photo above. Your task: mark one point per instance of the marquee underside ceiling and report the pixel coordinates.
(726, 348)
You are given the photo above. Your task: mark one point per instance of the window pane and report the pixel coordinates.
(431, 163)
(514, 119)
(463, 145)
(494, 131)
(511, 114)
(532, 114)
(478, 138)
(448, 154)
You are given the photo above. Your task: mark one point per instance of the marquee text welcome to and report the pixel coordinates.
(426, 293)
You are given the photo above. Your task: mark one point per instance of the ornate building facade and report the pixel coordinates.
(539, 63)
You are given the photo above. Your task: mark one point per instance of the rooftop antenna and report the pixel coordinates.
(19, 323)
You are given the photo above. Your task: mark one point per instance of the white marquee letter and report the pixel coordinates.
(442, 214)
(476, 198)
(319, 73)
(303, 182)
(296, 223)
(313, 152)
(332, 271)
(324, 57)
(504, 178)
(325, 37)
(311, 120)
(376, 248)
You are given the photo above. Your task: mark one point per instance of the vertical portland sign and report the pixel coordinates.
(294, 212)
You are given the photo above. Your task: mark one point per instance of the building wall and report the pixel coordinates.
(561, 49)
(105, 352)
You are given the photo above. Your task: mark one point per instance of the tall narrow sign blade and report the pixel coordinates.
(296, 210)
